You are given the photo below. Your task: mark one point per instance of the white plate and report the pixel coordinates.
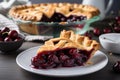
(99, 61)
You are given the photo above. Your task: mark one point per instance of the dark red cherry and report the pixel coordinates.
(13, 34)
(116, 67)
(96, 31)
(83, 17)
(88, 35)
(118, 22)
(5, 29)
(72, 18)
(68, 63)
(63, 19)
(106, 30)
(72, 51)
(63, 57)
(1, 39)
(117, 29)
(117, 18)
(18, 39)
(4, 35)
(7, 39)
(114, 24)
(53, 58)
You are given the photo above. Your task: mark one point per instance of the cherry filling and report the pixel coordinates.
(67, 57)
(58, 17)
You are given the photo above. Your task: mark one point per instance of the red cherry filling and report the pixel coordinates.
(58, 17)
(67, 57)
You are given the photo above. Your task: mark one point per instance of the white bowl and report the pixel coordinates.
(110, 42)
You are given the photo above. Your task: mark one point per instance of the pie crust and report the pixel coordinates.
(68, 39)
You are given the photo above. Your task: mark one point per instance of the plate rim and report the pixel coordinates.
(23, 52)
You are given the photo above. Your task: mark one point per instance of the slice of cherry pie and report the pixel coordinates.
(68, 50)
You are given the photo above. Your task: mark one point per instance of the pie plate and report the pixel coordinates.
(99, 61)
(54, 28)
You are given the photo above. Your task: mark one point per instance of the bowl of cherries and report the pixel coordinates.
(10, 40)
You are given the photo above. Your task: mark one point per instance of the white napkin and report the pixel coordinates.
(5, 22)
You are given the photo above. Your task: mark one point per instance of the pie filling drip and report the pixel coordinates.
(58, 17)
(66, 57)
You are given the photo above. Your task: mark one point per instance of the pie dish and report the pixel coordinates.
(68, 50)
(39, 17)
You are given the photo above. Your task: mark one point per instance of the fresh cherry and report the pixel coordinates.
(88, 35)
(117, 18)
(117, 29)
(116, 67)
(7, 39)
(5, 29)
(13, 34)
(114, 24)
(96, 31)
(118, 21)
(107, 30)
(18, 39)
(1, 39)
(4, 35)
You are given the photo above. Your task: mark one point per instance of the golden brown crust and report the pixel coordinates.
(68, 39)
(36, 11)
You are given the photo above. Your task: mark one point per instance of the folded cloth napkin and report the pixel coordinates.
(5, 22)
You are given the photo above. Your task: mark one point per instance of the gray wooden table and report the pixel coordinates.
(9, 70)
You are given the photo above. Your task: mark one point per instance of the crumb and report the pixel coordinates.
(89, 62)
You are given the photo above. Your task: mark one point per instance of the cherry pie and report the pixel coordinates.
(54, 12)
(27, 15)
(68, 50)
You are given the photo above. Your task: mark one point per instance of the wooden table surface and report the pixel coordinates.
(9, 70)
